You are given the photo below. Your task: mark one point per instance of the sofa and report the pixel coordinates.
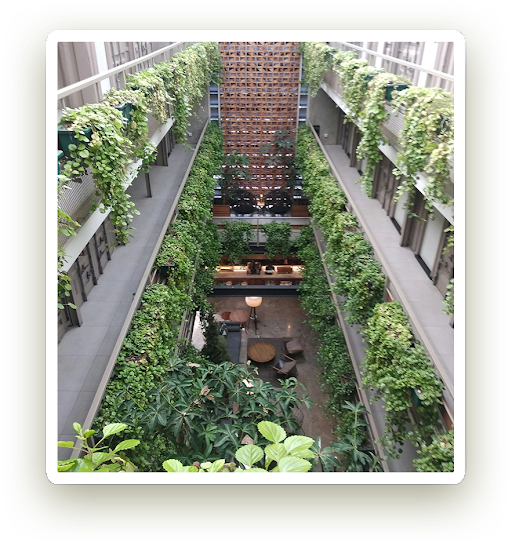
(233, 339)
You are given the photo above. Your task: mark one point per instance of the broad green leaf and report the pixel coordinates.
(249, 454)
(89, 433)
(113, 428)
(99, 458)
(66, 444)
(275, 452)
(217, 466)
(297, 443)
(191, 468)
(272, 432)
(83, 465)
(172, 465)
(66, 466)
(251, 470)
(77, 427)
(293, 464)
(126, 444)
(304, 454)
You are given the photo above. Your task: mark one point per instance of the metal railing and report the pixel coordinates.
(430, 71)
(116, 71)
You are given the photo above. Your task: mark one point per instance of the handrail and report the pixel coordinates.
(432, 352)
(431, 71)
(73, 88)
(98, 397)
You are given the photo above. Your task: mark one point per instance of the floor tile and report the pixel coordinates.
(73, 370)
(82, 340)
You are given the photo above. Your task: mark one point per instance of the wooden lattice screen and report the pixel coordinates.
(258, 97)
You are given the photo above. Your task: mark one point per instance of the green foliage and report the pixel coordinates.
(350, 446)
(358, 276)
(278, 238)
(215, 349)
(278, 456)
(314, 291)
(106, 154)
(394, 366)
(427, 143)
(354, 75)
(437, 456)
(317, 59)
(203, 409)
(372, 117)
(235, 240)
(95, 458)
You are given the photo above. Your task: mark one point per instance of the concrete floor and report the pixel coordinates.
(282, 317)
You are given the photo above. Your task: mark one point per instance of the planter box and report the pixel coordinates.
(60, 153)
(299, 210)
(67, 137)
(415, 398)
(221, 210)
(444, 123)
(392, 87)
(126, 110)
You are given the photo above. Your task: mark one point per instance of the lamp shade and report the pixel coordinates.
(253, 301)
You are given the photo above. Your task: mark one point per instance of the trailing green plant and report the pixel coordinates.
(337, 374)
(317, 59)
(278, 238)
(314, 291)
(282, 454)
(354, 75)
(437, 455)
(65, 226)
(95, 458)
(106, 154)
(181, 82)
(372, 117)
(235, 240)
(449, 301)
(427, 144)
(395, 365)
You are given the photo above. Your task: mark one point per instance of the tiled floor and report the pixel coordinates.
(84, 351)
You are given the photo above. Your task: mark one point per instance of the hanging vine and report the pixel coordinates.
(316, 60)
(372, 117)
(427, 144)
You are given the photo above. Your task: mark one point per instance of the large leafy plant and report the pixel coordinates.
(204, 410)
(280, 454)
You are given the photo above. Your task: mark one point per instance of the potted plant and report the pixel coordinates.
(75, 136)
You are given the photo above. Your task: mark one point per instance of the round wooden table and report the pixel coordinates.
(239, 316)
(261, 352)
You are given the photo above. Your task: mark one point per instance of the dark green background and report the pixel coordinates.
(215, 511)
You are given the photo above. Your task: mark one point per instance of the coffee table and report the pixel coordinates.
(261, 352)
(239, 316)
